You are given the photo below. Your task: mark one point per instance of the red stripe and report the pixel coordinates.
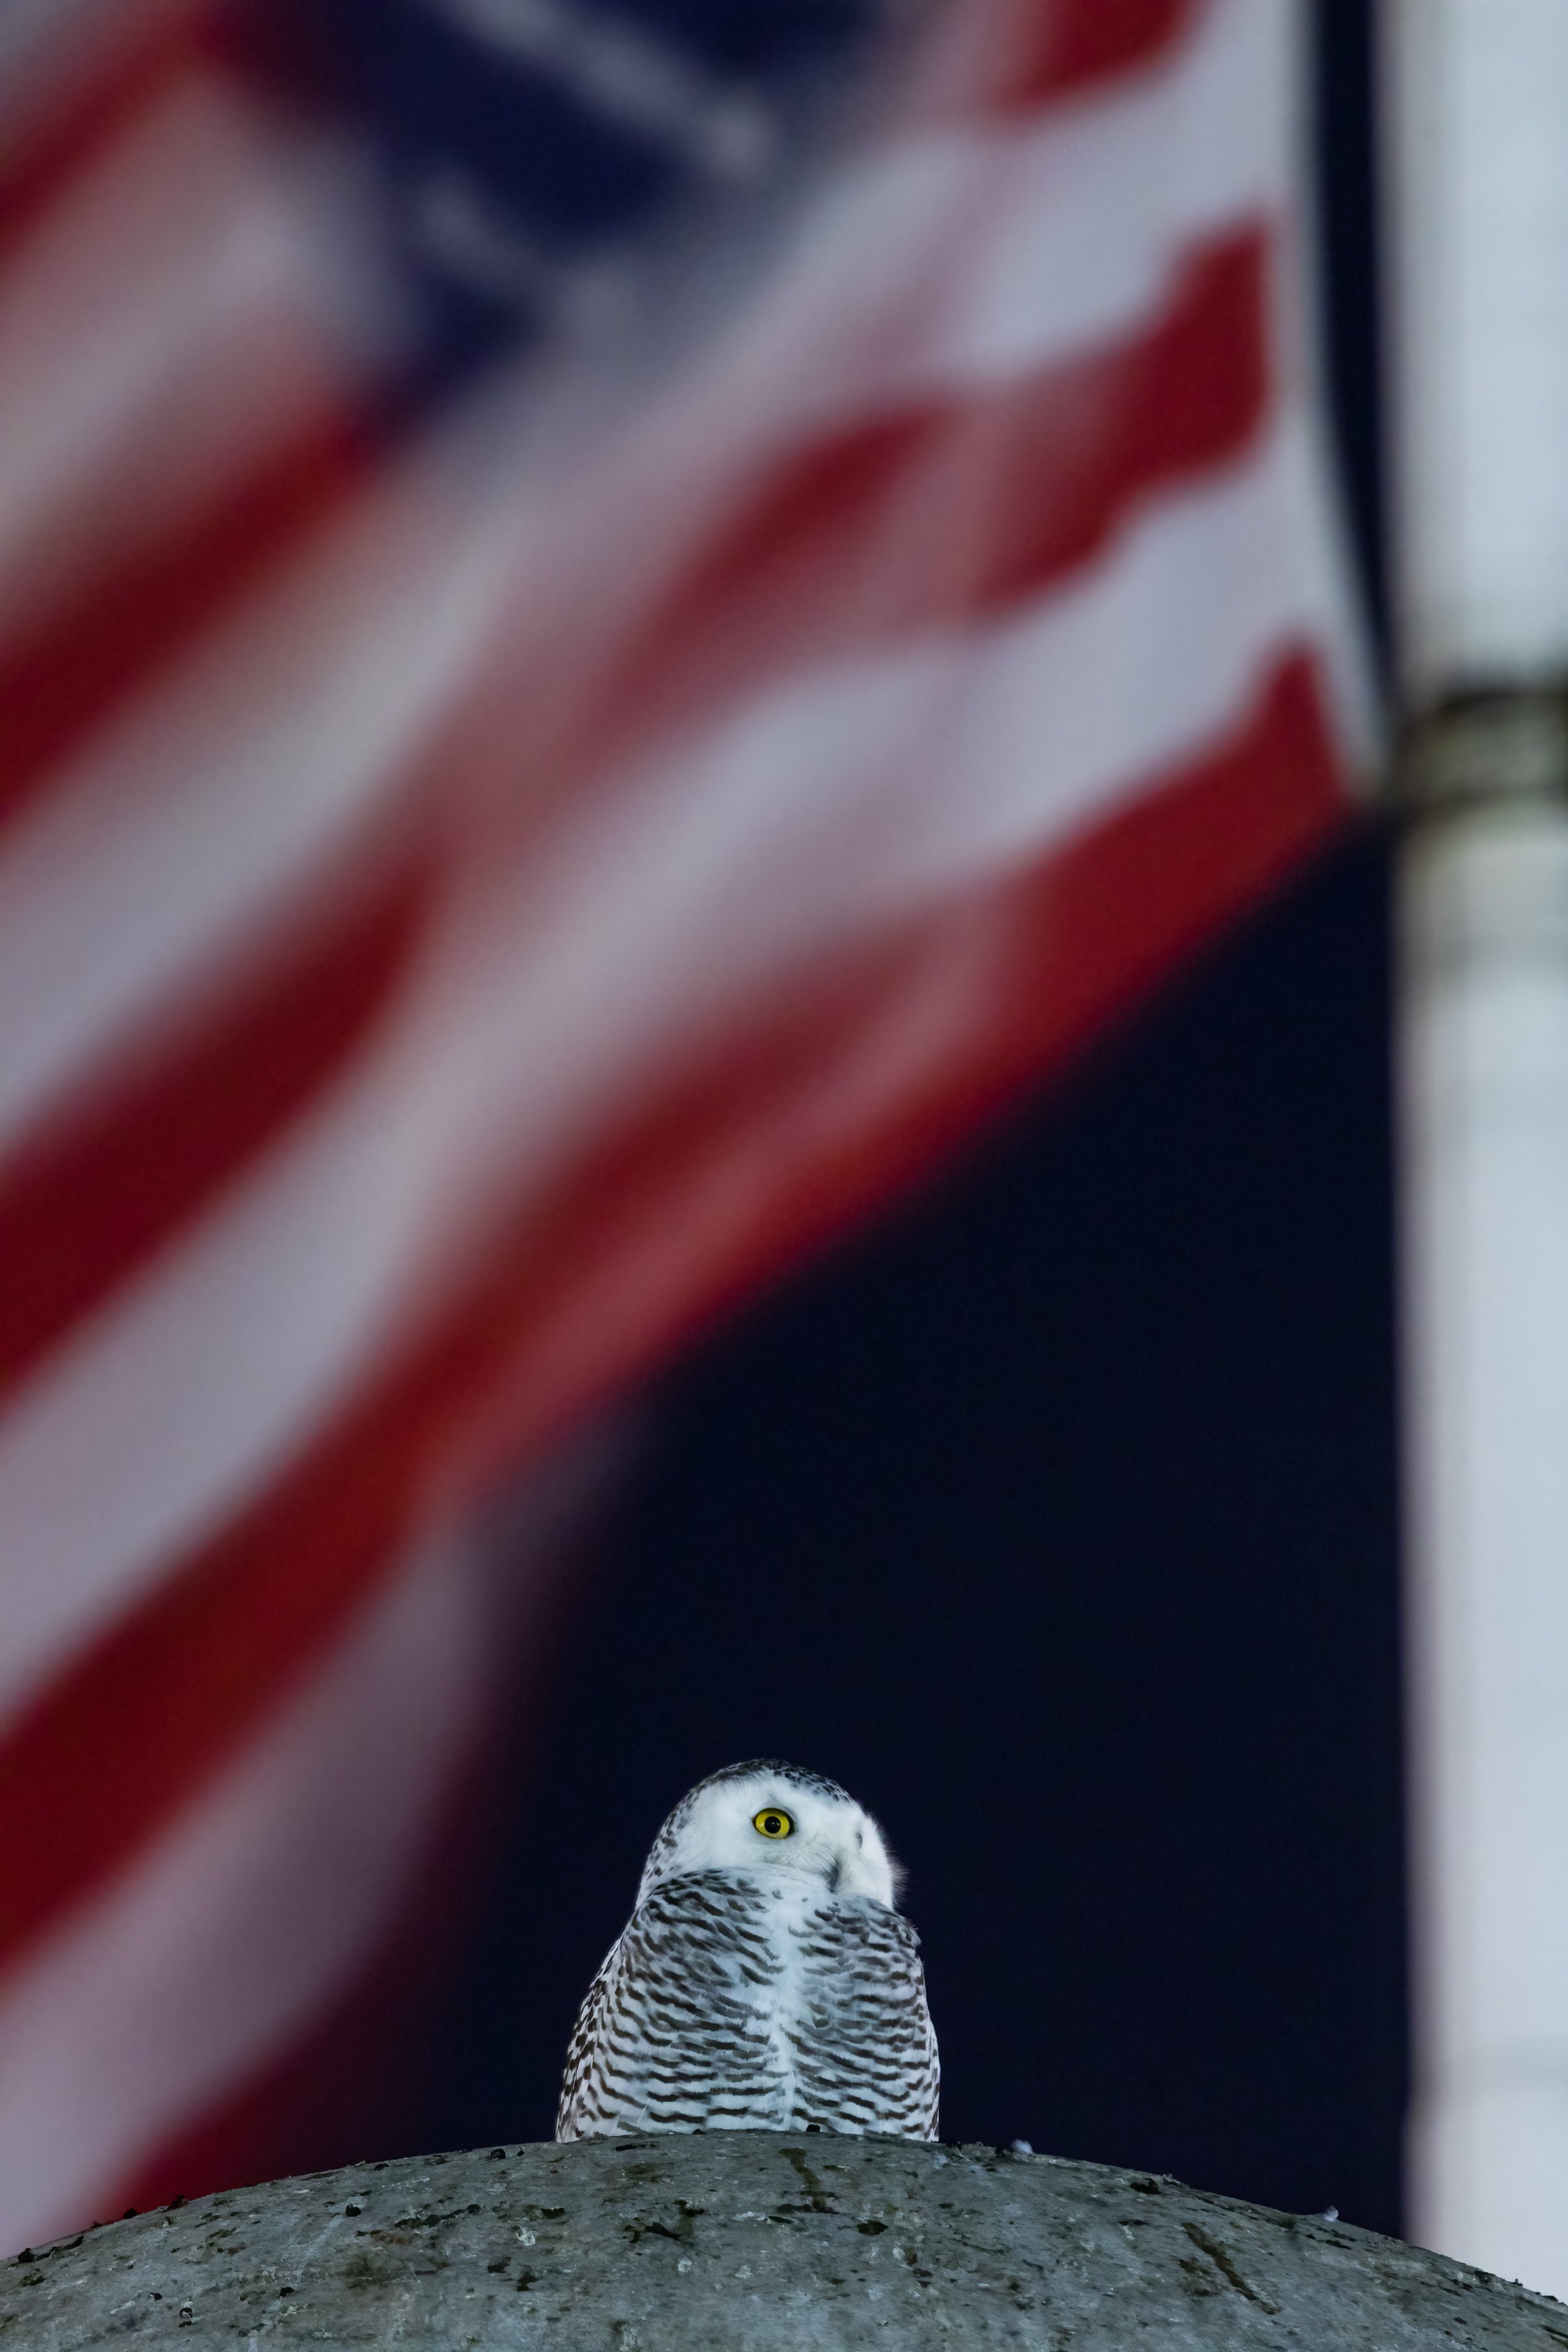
(713, 1193)
(65, 682)
(949, 510)
(104, 72)
(1015, 56)
(362, 2074)
(1067, 46)
(103, 1191)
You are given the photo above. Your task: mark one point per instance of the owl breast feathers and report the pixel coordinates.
(765, 1982)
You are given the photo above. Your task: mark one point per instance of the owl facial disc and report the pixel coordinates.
(769, 1816)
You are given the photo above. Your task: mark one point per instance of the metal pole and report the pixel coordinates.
(1478, 122)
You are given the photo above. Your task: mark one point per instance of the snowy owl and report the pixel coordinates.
(765, 1982)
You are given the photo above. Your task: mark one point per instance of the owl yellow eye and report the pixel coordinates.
(771, 1824)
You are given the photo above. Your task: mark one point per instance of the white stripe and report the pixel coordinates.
(210, 1951)
(823, 811)
(618, 68)
(966, 256)
(145, 865)
(223, 1355)
(843, 801)
(162, 329)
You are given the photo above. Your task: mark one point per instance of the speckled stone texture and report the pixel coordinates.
(750, 2242)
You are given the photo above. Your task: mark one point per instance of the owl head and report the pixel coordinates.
(766, 1816)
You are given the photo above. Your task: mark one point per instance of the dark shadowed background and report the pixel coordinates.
(1057, 1518)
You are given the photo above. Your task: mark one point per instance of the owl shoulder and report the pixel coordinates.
(692, 1898)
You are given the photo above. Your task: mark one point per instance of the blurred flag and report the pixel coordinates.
(494, 863)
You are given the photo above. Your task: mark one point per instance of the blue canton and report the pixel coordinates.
(525, 149)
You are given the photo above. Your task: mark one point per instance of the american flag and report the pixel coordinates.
(614, 623)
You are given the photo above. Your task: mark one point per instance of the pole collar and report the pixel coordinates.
(1487, 747)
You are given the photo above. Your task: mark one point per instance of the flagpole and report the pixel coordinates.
(1477, 117)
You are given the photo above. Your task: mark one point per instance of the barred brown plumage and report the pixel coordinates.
(765, 1982)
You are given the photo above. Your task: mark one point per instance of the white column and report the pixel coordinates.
(1485, 1071)
(1475, 113)
(1478, 266)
